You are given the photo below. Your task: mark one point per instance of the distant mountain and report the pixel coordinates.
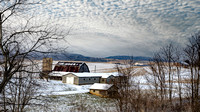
(76, 57)
(79, 57)
(136, 58)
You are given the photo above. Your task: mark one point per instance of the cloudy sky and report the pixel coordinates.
(103, 28)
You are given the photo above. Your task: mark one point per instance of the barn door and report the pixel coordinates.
(70, 80)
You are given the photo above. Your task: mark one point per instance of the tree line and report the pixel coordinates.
(173, 82)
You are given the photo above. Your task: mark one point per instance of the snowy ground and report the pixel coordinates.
(74, 103)
(101, 67)
(142, 77)
(53, 87)
(65, 97)
(60, 97)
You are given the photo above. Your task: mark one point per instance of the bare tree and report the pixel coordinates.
(22, 38)
(19, 92)
(168, 55)
(19, 42)
(192, 53)
(165, 66)
(178, 65)
(158, 79)
(123, 103)
(130, 96)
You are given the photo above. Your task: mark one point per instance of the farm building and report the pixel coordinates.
(80, 78)
(103, 90)
(71, 67)
(46, 67)
(57, 75)
(63, 68)
(88, 78)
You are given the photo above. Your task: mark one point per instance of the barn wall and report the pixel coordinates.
(88, 80)
(64, 79)
(101, 93)
(84, 68)
(110, 79)
(70, 75)
(95, 92)
(76, 80)
(103, 80)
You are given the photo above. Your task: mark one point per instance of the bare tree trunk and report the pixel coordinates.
(192, 54)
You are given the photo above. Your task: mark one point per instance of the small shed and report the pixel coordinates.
(103, 90)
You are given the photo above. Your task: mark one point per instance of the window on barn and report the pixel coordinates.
(93, 90)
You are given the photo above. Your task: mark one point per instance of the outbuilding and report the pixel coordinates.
(80, 78)
(88, 78)
(56, 75)
(103, 90)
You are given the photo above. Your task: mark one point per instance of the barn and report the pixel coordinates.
(103, 90)
(71, 67)
(88, 78)
(62, 68)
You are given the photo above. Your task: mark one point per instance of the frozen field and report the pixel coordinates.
(53, 87)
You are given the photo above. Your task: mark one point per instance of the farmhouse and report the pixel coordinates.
(71, 67)
(88, 78)
(103, 90)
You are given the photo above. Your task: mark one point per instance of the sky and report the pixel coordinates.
(101, 28)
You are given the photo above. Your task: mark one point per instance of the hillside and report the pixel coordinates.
(79, 57)
(136, 58)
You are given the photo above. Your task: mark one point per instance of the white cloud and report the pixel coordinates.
(113, 27)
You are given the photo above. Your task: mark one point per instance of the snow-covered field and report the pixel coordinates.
(65, 97)
(142, 77)
(101, 67)
(59, 97)
(53, 87)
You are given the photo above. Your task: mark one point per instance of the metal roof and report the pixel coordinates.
(70, 63)
(102, 75)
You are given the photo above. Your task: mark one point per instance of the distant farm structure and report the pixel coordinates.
(71, 67)
(103, 90)
(89, 78)
(46, 67)
(62, 68)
